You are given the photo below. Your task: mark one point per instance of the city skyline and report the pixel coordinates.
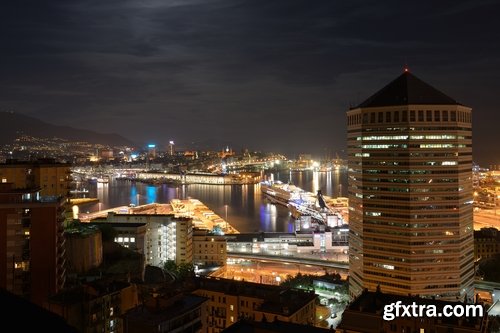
(266, 76)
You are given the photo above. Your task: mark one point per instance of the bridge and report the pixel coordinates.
(291, 260)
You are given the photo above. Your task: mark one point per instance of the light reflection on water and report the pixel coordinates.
(247, 209)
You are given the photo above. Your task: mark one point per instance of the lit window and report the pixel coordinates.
(231, 307)
(120, 239)
(132, 239)
(125, 239)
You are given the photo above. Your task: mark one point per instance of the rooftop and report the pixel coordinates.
(88, 291)
(249, 326)
(405, 90)
(103, 220)
(164, 310)
(490, 233)
(278, 300)
(370, 305)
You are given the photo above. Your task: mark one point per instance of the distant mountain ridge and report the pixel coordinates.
(12, 125)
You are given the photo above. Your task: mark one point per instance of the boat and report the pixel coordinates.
(327, 211)
(103, 180)
(279, 192)
(79, 191)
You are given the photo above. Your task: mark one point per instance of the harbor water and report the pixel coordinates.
(243, 206)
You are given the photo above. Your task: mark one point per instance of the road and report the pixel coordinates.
(267, 272)
(291, 260)
(486, 218)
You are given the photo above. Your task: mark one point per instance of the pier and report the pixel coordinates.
(202, 216)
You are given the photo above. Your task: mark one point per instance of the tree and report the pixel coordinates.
(182, 271)
(170, 266)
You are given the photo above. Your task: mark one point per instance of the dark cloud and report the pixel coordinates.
(261, 74)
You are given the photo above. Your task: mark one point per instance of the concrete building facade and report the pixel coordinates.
(166, 237)
(51, 177)
(31, 243)
(209, 249)
(231, 300)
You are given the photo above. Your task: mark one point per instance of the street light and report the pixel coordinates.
(225, 207)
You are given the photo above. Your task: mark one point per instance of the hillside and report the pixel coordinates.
(14, 124)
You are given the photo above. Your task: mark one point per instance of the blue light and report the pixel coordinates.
(151, 145)
(151, 194)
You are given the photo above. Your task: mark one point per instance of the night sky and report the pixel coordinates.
(275, 75)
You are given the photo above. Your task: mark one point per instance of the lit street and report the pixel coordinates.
(486, 218)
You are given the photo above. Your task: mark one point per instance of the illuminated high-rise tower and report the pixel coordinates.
(171, 147)
(410, 192)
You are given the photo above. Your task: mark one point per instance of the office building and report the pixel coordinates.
(31, 243)
(410, 192)
(171, 149)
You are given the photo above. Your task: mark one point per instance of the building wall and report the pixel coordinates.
(132, 238)
(52, 178)
(83, 251)
(486, 243)
(305, 315)
(166, 237)
(92, 311)
(184, 244)
(32, 243)
(410, 200)
(225, 309)
(209, 250)
(47, 262)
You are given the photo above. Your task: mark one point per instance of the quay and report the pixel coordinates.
(82, 201)
(201, 178)
(202, 216)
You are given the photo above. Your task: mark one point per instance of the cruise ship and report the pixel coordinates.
(280, 193)
(302, 204)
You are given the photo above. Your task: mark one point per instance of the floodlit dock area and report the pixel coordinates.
(203, 217)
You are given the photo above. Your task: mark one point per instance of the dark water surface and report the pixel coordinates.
(247, 209)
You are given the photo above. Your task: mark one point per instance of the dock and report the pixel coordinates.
(82, 201)
(202, 216)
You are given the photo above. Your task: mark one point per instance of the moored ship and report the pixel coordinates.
(325, 210)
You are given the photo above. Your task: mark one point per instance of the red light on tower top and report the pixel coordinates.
(406, 69)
